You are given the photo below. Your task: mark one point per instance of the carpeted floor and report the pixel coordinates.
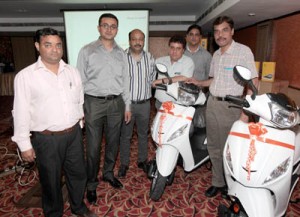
(185, 197)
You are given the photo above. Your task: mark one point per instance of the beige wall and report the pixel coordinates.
(158, 46)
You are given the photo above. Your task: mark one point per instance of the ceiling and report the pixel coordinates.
(164, 14)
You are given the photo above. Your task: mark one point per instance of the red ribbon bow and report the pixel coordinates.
(167, 106)
(256, 130)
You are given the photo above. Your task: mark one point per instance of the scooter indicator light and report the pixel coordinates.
(236, 208)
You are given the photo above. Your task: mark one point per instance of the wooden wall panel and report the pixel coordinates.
(287, 49)
(23, 51)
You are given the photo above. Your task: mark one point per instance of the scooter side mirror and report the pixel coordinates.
(244, 74)
(161, 68)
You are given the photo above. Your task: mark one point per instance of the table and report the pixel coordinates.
(7, 83)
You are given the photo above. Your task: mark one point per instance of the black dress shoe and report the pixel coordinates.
(212, 191)
(91, 196)
(143, 165)
(88, 213)
(122, 171)
(113, 181)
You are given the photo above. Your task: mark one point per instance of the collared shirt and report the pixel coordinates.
(184, 66)
(142, 73)
(221, 69)
(202, 59)
(104, 72)
(45, 101)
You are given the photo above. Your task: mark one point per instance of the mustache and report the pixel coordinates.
(137, 45)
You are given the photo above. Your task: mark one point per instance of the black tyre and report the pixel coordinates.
(157, 186)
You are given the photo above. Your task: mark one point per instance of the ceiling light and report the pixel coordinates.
(251, 14)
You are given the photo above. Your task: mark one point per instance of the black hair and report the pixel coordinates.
(44, 32)
(178, 39)
(223, 19)
(194, 26)
(107, 15)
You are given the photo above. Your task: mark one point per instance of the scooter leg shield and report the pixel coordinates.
(166, 159)
(257, 202)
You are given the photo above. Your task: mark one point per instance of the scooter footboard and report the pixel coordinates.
(166, 159)
(257, 202)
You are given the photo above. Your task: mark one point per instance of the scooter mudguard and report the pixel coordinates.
(166, 159)
(257, 202)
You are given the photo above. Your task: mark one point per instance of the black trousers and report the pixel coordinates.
(102, 115)
(55, 153)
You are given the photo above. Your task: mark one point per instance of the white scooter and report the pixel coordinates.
(261, 160)
(171, 132)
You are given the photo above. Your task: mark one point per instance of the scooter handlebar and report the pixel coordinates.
(238, 101)
(161, 86)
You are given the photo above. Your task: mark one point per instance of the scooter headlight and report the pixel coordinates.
(282, 117)
(228, 158)
(280, 170)
(186, 98)
(178, 132)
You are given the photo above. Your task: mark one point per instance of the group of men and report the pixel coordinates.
(109, 91)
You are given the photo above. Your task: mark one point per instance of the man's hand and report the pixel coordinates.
(154, 83)
(127, 117)
(192, 81)
(244, 117)
(28, 155)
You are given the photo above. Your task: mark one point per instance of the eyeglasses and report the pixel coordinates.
(106, 26)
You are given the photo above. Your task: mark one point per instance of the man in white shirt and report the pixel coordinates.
(180, 67)
(47, 111)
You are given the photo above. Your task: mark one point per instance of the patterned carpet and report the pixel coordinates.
(185, 197)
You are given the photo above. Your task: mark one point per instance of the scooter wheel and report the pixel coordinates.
(157, 186)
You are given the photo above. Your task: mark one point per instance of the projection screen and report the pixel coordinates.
(81, 28)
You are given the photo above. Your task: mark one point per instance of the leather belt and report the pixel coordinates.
(108, 97)
(139, 101)
(52, 133)
(219, 98)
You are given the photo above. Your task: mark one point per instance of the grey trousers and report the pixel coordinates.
(102, 115)
(140, 117)
(220, 115)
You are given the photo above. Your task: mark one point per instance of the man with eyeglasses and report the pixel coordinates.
(104, 71)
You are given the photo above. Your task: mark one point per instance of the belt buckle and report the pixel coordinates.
(109, 97)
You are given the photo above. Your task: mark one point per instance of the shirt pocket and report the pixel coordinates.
(74, 94)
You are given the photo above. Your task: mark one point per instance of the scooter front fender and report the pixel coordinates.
(166, 159)
(257, 202)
